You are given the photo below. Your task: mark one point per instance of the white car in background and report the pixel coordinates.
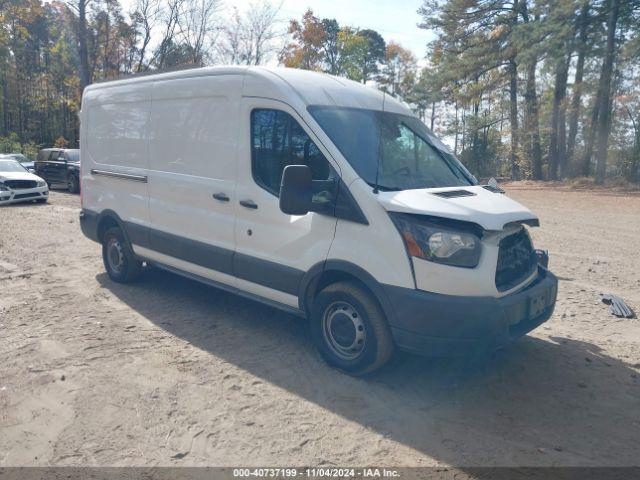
(25, 161)
(17, 184)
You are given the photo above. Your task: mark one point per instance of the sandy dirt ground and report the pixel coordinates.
(171, 372)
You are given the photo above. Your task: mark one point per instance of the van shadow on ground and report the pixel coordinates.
(536, 403)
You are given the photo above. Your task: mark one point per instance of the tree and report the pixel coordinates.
(372, 55)
(519, 87)
(261, 20)
(604, 92)
(560, 46)
(576, 94)
(531, 51)
(144, 19)
(398, 75)
(197, 24)
(81, 7)
(352, 48)
(478, 50)
(331, 46)
(169, 16)
(249, 38)
(305, 51)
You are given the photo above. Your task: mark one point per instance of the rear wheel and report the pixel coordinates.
(350, 330)
(73, 184)
(119, 261)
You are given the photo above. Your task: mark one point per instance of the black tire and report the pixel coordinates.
(73, 184)
(119, 261)
(42, 200)
(350, 330)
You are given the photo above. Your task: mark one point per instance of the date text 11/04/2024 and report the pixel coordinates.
(316, 472)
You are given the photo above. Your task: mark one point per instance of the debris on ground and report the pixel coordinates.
(617, 306)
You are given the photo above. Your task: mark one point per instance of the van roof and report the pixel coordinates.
(312, 88)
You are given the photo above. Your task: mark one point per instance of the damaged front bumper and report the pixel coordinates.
(447, 325)
(23, 195)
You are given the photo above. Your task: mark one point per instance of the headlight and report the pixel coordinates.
(436, 242)
(41, 183)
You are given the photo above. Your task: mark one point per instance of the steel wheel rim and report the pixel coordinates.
(115, 255)
(344, 330)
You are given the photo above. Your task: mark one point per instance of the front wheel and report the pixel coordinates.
(119, 260)
(73, 184)
(350, 330)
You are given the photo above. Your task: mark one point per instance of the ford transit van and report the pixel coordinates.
(313, 194)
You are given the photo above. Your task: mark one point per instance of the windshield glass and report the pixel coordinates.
(11, 166)
(74, 155)
(412, 156)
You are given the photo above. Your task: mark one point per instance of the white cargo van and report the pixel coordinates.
(313, 194)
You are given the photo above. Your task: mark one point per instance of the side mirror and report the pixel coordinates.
(295, 190)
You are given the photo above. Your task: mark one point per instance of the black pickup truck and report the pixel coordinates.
(59, 166)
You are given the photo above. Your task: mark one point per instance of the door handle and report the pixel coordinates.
(249, 204)
(221, 197)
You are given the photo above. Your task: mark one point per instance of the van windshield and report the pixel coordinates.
(412, 156)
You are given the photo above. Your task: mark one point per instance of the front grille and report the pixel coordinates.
(516, 260)
(18, 196)
(20, 184)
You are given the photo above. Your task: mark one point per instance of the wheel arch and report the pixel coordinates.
(108, 219)
(331, 271)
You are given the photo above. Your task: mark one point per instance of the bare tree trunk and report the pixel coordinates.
(635, 154)
(531, 118)
(576, 97)
(557, 139)
(82, 44)
(513, 100)
(5, 106)
(562, 120)
(513, 118)
(532, 126)
(604, 118)
(433, 114)
(590, 140)
(455, 145)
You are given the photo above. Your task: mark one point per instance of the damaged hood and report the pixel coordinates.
(18, 176)
(476, 204)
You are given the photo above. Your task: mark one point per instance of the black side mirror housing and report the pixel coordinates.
(295, 190)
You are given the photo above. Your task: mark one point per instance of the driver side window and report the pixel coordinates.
(278, 140)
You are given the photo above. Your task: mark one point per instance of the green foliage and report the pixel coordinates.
(490, 59)
(306, 49)
(353, 49)
(11, 144)
(514, 86)
(321, 44)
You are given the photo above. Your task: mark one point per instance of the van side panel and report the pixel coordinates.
(193, 153)
(115, 124)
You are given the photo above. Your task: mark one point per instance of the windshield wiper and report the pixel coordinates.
(386, 189)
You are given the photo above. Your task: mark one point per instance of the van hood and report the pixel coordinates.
(477, 204)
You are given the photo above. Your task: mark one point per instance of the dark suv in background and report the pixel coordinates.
(59, 166)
